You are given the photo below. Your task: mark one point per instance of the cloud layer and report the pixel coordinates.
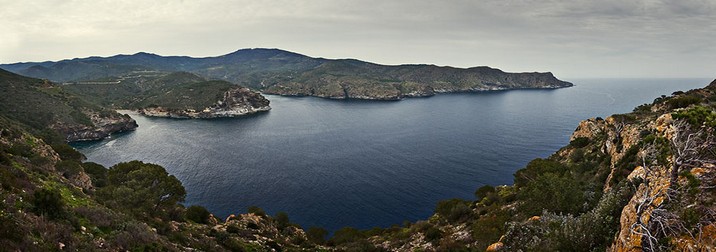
(647, 38)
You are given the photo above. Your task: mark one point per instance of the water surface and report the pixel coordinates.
(364, 163)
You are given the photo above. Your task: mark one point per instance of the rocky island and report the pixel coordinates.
(280, 72)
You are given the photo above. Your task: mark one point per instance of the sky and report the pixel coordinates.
(572, 39)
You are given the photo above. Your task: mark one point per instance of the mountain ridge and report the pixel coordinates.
(281, 72)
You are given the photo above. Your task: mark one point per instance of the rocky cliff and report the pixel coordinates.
(237, 101)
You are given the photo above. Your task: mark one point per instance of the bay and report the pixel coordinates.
(363, 164)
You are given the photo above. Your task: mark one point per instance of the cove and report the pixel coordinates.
(365, 163)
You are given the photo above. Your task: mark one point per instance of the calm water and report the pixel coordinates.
(364, 164)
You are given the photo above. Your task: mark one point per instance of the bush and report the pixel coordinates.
(198, 214)
(317, 235)
(48, 202)
(483, 191)
(97, 173)
(697, 116)
(66, 152)
(257, 211)
(579, 142)
(282, 220)
(68, 168)
(553, 193)
(346, 235)
(683, 101)
(454, 210)
(536, 167)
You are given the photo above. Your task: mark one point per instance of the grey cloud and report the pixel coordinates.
(578, 38)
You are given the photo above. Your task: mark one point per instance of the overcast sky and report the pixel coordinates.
(572, 39)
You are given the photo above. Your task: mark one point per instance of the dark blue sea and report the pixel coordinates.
(364, 164)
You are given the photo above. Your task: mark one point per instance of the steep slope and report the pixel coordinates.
(176, 95)
(42, 105)
(286, 73)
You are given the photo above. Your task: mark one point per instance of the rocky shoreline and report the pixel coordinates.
(101, 128)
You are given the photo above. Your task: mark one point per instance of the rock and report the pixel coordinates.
(81, 180)
(102, 127)
(497, 246)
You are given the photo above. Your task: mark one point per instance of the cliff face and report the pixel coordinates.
(102, 127)
(237, 101)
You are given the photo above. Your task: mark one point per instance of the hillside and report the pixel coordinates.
(165, 94)
(53, 201)
(41, 106)
(642, 181)
(286, 73)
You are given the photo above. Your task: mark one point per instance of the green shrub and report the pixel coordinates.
(683, 101)
(282, 220)
(68, 168)
(317, 235)
(48, 202)
(454, 210)
(483, 191)
(97, 173)
(198, 214)
(579, 142)
(346, 235)
(66, 152)
(536, 167)
(257, 211)
(697, 116)
(553, 193)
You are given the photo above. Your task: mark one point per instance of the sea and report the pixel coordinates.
(364, 164)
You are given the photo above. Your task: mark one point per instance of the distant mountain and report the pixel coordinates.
(41, 105)
(281, 72)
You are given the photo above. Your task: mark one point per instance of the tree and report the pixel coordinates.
(143, 189)
(198, 214)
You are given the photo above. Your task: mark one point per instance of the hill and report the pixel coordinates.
(47, 109)
(286, 73)
(171, 94)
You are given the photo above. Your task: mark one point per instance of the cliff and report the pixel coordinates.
(275, 71)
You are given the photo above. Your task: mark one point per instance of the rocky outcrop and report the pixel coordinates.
(238, 101)
(102, 127)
